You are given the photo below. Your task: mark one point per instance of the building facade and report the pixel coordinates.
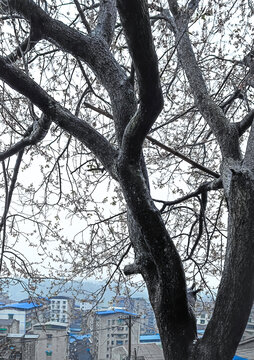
(52, 342)
(8, 326)
(112, 328)
(18, 346)
(141, 307)
(61, 309)
(26, 313)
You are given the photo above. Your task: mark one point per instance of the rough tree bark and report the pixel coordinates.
(157, 258)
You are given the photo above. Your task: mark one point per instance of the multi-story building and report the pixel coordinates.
(203, 312)
(52, 342)
(26, 313)
(143, 308)
(112, 328)
(61, 309)
(18, 346)
(9, 326)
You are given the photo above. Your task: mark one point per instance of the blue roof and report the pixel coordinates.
(75, 337)
(115, 311)
(236, 357)
(21, 306)
(150, 338)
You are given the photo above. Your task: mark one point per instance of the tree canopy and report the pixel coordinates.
(127, 148)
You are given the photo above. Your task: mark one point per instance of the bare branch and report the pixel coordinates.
(135, 20)
(8, 198)
(82, 16)
(33, 135)
(106, 20)
(132, 269)
(207, 186)
(183, 157)
(211, 112)
(245, 123)
(20, 82)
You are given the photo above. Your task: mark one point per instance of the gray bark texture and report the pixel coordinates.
(157, 258)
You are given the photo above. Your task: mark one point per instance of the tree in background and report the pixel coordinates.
(144, 120)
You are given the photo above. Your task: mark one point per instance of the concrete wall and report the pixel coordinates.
(51, 340)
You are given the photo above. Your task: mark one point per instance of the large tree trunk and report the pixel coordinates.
(236, 291)
(157, 260)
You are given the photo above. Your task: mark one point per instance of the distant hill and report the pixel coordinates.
(18, 290)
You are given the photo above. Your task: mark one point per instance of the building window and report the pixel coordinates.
(108, 322)
(119, 342)
(10, 316)
(49, 340)
(112, 342)
(202, 321)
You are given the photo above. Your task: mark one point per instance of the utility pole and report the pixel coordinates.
(129, 342)
(130, 323)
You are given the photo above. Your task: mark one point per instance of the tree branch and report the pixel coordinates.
(82, 16)
(211, 112)
(183, 157)
(207, 186)
(135, 20)
(33, 135)
(20, 82)
(245, 123)
(106, 20)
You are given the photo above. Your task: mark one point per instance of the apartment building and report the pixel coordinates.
(26, 313)
(203, 312)
(52, 342)
(18, 346)
(141, 307)
(61, 309)
(9, 326)
(111, 329)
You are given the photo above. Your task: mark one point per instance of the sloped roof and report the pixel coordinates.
(245, 349)
(142, 351)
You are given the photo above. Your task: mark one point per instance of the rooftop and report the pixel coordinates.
(150, 338)
(114, 311)
(21, 306)
(52, 325)
(60, 297)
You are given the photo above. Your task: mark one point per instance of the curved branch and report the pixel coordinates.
(245, 123)
(20, 82)
(136, 23)
(207, 186)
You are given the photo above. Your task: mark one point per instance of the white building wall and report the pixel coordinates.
(61, 310)
(111, 331)
(51, 340)
(19, 315)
